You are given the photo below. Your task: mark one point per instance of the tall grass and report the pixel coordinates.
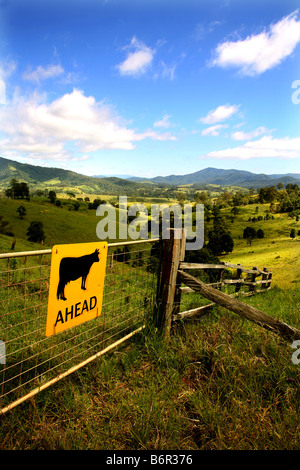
(220, 383)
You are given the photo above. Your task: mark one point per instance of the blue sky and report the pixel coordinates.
(147, 88)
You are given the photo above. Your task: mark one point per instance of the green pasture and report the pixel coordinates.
(276, 251)
(220, 383)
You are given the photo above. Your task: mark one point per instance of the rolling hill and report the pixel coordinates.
(38, 177)
(221, 177)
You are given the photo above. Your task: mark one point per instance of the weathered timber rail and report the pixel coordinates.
(170, 290)
(250, 281)
(243, 310)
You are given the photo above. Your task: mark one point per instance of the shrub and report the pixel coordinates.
(17, 190)
(35, 232)
(249, 233)
(76, 205)
(52, 196)
(21, 211)
(260, 233)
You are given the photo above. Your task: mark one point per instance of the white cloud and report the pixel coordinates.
(6, 69)
(266, 147)
(202, 29)
(214, 130)
(168, 71)
(65, 128)
(164, 122)
(43, 73)
(138, 60)
(258, 53)
(241, 135)
(221, 113)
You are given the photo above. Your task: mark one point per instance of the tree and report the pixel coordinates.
(291, 187)
(260, 233)
(201, 198)
(240, 199)
(95, 204)
(21, 211)
(17, 190)
(181, 197)
(220, 243)
(52, 196)
(76, 205)
(267, 194)
(227, 243)
(235, 210)
(249, 233)
(39, 193)
(35, 232)
(219, 238)
(293, 233)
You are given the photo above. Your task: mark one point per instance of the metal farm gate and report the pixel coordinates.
(30, 361)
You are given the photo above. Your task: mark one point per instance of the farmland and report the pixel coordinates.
(220, 383)
(277, 250)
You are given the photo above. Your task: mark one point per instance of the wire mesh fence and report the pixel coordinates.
(30, 361)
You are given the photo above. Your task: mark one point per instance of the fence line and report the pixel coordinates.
(34, 361)
(244, 310)
(172, 275)
(134, 290)
(238, 281)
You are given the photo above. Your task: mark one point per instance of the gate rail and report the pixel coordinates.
(32, 361)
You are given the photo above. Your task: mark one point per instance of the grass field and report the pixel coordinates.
(276, 251)
(220, 383)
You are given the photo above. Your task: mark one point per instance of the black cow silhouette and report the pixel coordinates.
(71, 269)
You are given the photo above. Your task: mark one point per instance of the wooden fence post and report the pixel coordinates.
(221, 275)
(238, 276)
(269, 279)
(173, 251)
(264, 278)
(253, 277)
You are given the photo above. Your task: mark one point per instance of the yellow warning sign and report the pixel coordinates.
(76, 285)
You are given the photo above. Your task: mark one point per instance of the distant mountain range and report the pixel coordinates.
(39, 177)
(221, 177)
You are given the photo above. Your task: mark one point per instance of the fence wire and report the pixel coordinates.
(29, 359)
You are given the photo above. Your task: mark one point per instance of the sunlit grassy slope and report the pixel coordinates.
(276, 251)
(60, 224)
